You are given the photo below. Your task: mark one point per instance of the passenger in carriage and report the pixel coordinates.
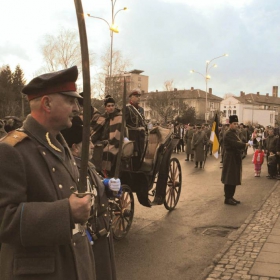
(136, 124)
(106, 130)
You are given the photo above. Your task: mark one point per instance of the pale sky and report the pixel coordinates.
(165, 38)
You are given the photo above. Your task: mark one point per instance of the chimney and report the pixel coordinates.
(156, 90)
(192, 88)
(210, 91)
(267, 95)
(175, 89)
(242, 93)
(275, 91)
(258, 93)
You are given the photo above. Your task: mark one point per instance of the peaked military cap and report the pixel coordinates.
(233, 118)
(74, 134)
(135, 91)
(62, 82)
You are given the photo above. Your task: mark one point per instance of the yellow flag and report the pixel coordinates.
(214, 138)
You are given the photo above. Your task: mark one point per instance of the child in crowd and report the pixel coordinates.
(258, 159)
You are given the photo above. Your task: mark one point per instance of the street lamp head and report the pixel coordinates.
(192, 71)
(114, 28)
(208, 77)
(225, 54)
(125, 8)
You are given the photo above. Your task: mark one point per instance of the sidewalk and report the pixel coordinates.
(253, 251)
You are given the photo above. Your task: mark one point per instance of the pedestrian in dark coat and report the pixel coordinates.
(232, 161)
(103, 246)
(40, 217)
(270, 147)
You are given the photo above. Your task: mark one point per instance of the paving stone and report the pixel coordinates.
(275, 231)
(269, 257)
(273, 239)
(271, 247)
(265, 269)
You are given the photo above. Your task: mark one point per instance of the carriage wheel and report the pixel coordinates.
(122, 213)
(174, 184)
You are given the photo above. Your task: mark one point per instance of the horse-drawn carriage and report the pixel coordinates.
(159, 176)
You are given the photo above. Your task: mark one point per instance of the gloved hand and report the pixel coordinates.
(114, 184)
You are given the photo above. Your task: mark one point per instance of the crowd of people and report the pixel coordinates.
(49, 230)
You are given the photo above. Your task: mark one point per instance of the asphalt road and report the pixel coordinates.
(179, 245)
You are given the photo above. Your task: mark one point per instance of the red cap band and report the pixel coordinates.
(69, 86)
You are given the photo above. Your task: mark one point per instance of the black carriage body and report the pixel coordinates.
(154, 171)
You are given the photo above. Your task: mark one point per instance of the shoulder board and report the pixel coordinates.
(14, 137)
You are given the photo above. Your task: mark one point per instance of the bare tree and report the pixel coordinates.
(162, 103)
(168, 85)
(120, 64)
(62, 51)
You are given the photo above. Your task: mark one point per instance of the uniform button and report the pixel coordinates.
(74, 163)
(105, 215)
(74, 243)
(53, 169)
(60, 186)
(44, 153)
(102, 205)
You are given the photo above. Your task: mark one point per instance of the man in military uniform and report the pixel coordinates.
(41, 232)
(188, 140)
(136, 124)
(232, 161)
(99, 223)
(199, 141)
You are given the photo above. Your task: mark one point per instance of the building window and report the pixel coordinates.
(234, 112)
(225, 106)
(139, 85)
(229, 112)
(225, 112)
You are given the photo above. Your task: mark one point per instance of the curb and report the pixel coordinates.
(233, 237)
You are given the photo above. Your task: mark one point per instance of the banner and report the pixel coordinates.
(214, 138)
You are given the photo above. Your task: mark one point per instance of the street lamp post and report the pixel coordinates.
(113, 29)
(207, 77)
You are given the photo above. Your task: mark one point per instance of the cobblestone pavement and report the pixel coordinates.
(252, 252)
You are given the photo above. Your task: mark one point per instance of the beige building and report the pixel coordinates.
(134, 79)
(195, 98)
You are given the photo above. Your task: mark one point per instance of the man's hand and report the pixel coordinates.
(80, 208)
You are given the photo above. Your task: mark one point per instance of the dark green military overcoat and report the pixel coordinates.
(36, 174)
